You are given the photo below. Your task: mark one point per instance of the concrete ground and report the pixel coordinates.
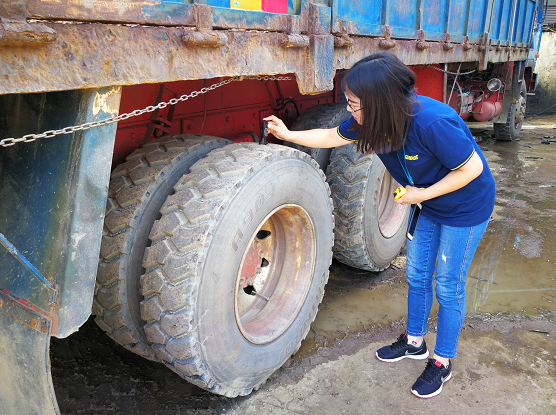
(506, 365)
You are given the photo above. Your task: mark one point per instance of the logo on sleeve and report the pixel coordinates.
(415, 157)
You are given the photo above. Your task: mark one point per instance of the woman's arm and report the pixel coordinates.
(320, 138)
(454, 180)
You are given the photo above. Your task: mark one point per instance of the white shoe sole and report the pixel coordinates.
(436, 392)
(407, 356)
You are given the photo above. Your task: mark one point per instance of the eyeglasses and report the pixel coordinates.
(353, 109)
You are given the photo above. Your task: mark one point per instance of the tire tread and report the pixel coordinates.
(131, 186)
(347, 175)
(226, 168)
(319, 116)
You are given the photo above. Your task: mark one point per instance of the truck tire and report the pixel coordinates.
(320, 116)
(510, 131)
(137, 190)
(370, 227)
(237, 266)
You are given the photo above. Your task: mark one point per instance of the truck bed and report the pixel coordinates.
(53, 46)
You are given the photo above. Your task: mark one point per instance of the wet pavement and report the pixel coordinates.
(507, 351)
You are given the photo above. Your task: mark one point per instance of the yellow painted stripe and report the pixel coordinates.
(345, 138)
(256, 5)
(468, 158)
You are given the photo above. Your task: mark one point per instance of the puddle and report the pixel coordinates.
(514, 268)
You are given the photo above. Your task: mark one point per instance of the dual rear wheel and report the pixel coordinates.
(138, 188)
(215, 255)
(238, 265)
(214, 263)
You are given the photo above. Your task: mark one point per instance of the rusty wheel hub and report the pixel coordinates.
(275, 274)
(390, 214)
(520, 107)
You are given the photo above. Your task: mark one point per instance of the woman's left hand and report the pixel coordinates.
(454, 180)
(412, 196)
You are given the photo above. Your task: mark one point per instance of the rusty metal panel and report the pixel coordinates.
(211, 42)
(99, 55)
(415, 52)
(102, 55)
(129, 11)
(406, 19)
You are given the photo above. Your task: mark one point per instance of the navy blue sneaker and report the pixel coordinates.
(430, 382)
(400, 350)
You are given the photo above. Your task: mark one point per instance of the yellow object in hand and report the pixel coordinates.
(400, 191)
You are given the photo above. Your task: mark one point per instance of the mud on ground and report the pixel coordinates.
(506, 365)
(506, 360)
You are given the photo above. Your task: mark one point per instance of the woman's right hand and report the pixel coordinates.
(277, 128)
(319, 138)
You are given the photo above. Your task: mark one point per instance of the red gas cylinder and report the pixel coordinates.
(486, 110)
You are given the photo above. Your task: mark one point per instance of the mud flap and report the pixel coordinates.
(25, 380)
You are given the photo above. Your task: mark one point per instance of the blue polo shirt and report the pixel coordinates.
(438, 142)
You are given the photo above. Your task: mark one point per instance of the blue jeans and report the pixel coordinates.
(448, 250)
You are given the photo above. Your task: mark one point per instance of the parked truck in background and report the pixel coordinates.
(133, 184)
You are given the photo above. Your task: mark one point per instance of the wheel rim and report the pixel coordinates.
(520, 110)
(275, 274)
(390, 214)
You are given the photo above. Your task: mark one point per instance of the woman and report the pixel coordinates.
(427, 148)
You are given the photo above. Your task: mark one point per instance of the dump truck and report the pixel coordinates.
(136, 184)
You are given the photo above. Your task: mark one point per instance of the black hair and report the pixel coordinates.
(384, 84)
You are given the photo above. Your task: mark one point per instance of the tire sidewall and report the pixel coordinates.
(379, 247)
(229, 357)
(508, 131)
(140, 240)
(146, 214)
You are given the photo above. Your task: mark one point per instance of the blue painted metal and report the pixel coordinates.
(294, 6)
(367, 18)
(458, 18)
(241, 19)
(535, 40)
(21, 258)
(52, 201)
(218, 3)
(513, 22)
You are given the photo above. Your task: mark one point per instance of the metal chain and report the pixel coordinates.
(7, 142)
(451, 73)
